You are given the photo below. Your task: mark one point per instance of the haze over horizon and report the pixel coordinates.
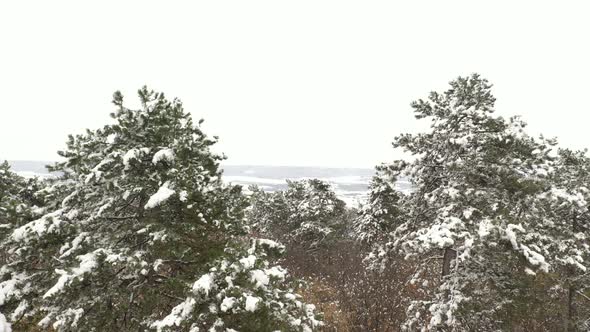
(306, 83)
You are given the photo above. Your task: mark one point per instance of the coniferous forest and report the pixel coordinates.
(140, 232)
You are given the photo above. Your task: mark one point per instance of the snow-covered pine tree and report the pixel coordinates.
(267, 212)
(9, 200)
(565, 216)
(243, 293)
(383, 210)
(20, 200)
(12, 209)
(146, 214)
(477, 178)
(308, 212)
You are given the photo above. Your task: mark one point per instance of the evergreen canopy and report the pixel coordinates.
(146, 214)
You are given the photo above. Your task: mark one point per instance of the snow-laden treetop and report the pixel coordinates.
(143, 214)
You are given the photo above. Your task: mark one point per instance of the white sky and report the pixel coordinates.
(323, 83)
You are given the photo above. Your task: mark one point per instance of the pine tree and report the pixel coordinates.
(565, 213)
(16, 198)
(383, 210)
(11, 208)
(477, 179)
(145, 214)
(20, 202)
(243, 293)
(308, 212)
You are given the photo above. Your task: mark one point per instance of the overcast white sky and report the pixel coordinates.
(323, 83)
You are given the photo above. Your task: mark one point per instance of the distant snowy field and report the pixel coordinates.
(350, 184)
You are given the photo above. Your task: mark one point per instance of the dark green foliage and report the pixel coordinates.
(307, 212)
(480, 214)
(139, 212)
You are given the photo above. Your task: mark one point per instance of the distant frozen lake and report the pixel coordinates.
(350, 184)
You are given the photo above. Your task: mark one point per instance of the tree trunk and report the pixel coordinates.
(569, 314)
(568, 324)
(448, 258)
